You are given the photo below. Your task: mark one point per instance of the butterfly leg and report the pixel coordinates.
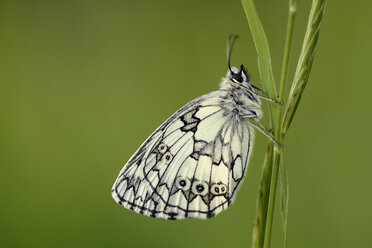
(260, 95)
(265, 97)
(262, 129)
(258, 89)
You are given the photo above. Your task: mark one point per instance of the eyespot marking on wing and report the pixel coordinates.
(183, 183)
(219, 188)
(162, 148)
(200, 188)
(167, 157)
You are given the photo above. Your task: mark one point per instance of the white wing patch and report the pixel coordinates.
(191, 166)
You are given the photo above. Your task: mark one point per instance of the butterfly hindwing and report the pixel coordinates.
(191, 166)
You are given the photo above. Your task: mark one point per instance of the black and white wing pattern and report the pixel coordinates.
(192, 165)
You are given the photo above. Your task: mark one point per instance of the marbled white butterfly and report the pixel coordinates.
(194, 163)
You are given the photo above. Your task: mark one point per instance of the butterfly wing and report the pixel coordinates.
(191, 166)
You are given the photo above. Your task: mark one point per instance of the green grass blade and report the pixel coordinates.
(263, 199)
(287, 49)
(305, 62)
(267, 77)
(278, 133)
(262, 47)
(284, 198)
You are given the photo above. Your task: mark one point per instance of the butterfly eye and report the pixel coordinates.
(162, 148)
(237, 77)
(167, 157)
(200, 188)
(183, 183)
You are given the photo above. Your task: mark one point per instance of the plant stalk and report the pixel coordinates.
(277, 150)
(267, 77)
(279, 122)
(304, 63)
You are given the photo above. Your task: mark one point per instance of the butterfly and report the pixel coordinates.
(194, 163)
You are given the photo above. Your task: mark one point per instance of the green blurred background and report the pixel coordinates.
(83, 83)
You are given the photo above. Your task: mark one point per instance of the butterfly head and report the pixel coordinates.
(238, 75)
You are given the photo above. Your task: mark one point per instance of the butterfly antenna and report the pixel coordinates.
(230, 43)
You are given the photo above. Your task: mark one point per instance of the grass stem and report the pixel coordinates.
(273, 163)
(277, 150)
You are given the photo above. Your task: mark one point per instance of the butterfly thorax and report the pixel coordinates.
(239, 97)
